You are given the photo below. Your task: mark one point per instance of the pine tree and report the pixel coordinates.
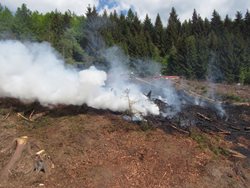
(246, 30)
(6, 21)
(216, 23)
(158, 34)
(173, 65)
(191, 57)
(148, 26)
(172, 31)
(238, 23)
(186, 29)
(22, 23)
(228, 24)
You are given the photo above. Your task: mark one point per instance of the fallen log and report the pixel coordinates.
(224, 132)
(247, 128)
(234, 128)
(21, 145)
(203, 116)
(180, 130)
(236, 154)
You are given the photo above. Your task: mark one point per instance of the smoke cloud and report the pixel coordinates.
(36, 72)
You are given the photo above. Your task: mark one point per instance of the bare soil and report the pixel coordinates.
(233, 93)
(96, 148)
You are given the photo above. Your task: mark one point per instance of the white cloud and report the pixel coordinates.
(152, 7)
(77, 6)
(184, 8)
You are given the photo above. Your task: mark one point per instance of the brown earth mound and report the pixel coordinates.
(84, 147)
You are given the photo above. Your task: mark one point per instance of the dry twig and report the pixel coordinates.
(180, 130)
(247, 128)
(31, 114)
(222, 131)
(235, 128)
(6, 117)
(23, 117)
(236, 154)
(203, 116)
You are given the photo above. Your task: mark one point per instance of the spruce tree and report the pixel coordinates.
(172, 31)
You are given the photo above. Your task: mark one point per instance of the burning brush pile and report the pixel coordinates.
(34, 73)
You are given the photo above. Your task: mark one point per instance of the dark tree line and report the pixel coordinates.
(217, 49)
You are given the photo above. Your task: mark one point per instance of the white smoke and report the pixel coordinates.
(35, 72)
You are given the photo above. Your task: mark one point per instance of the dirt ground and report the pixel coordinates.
(96, 148)
(233, 93)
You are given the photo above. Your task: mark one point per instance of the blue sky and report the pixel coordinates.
(151, 7)
(106, 3)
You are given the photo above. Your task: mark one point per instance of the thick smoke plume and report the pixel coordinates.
(35, 72)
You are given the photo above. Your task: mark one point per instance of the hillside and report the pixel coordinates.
(85, 147)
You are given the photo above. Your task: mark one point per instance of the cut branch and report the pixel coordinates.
(234, 128)
(23, 117)
(222, 131)
(203, 116)
(31, 114)
(236, 154)
(180, 130)
(247, 128)
(6, 117)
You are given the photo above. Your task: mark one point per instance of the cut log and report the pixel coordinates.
(21, 144)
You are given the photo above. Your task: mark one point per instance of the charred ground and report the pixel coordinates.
(98, 148)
